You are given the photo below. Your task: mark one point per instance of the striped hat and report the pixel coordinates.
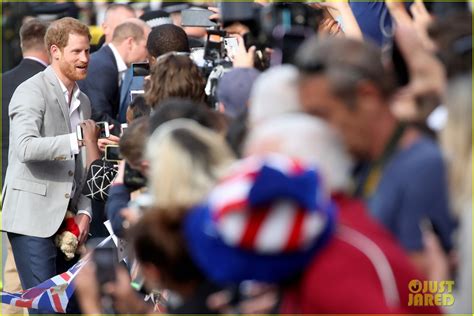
(265, 221)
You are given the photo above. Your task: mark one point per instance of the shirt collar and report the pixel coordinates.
(75, 92)
(121, 65)
(37, 60)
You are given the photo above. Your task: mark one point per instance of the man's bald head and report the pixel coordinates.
(115, 15)
(131, 27)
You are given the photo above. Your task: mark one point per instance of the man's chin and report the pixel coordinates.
(79, 76)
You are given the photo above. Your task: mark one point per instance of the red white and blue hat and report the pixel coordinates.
(264, 222)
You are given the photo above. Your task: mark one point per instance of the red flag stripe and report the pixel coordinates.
(25, 304)
(294, 238)
(254, 222)
(65, 276)
(57, 303)
(235, 206)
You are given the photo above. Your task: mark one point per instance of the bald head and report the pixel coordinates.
(115, 15)
(130, 39)
(131, 27)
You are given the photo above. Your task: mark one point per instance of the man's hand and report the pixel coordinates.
(90, 132)
(83, 222)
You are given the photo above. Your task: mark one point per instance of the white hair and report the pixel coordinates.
(274, 92)
(309, 139)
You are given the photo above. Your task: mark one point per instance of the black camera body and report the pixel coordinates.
(282, 26)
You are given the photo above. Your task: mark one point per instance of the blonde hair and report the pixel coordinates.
(186, 160)
(456, 141)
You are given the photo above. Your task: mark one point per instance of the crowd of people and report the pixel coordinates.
(293, 158)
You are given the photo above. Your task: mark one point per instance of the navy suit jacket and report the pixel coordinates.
(101, 86)
(10, 81)
(129, 83)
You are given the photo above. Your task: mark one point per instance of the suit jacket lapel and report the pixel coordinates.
(58, 94)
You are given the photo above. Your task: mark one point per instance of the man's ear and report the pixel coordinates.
(145, 166)
(129, 41)
(368, 95)
(55, 52)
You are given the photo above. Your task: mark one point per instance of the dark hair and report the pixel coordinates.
(345, 62)
(139, 108)
(160, 242)
(133, 141)
(174, 76)
(32, 35)
(181, 108)
(167, 38)
(453, 38)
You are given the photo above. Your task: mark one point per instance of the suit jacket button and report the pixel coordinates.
(67, 196)
(70, 173)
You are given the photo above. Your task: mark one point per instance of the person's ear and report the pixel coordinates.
(55, 52)
(151, 60)
(145, 166)
(221, 107)
(130, 41)
(368, 96)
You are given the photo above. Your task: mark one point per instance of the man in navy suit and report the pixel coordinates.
(108, 66)
(35, 59)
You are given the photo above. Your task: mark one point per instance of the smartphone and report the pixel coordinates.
(106, 261)
(112, 153)
(231, 45)
(123, 127)
(140, 69)
(136, 93)
(79, 133)
(197, 18)
(104, 129)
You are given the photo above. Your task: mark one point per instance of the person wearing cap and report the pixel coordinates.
(272, 220)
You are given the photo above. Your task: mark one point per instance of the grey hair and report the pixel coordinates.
(308, 138)
(345, 63)
(274, 92)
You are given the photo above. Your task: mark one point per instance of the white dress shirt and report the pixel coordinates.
(75, 120)
(121, 65)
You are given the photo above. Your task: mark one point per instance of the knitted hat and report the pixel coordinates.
(264, 222)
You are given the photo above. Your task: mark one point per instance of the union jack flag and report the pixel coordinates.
(53, 294)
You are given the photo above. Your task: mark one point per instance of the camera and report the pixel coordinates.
(282, 26)
(104, 131)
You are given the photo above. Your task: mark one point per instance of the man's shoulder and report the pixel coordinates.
(424, 154)
(104, 54)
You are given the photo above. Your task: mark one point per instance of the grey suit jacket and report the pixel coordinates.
(41, 169)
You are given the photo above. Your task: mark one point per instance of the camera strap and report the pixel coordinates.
(368, 181)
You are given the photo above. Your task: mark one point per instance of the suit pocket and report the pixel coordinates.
(29, 186)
